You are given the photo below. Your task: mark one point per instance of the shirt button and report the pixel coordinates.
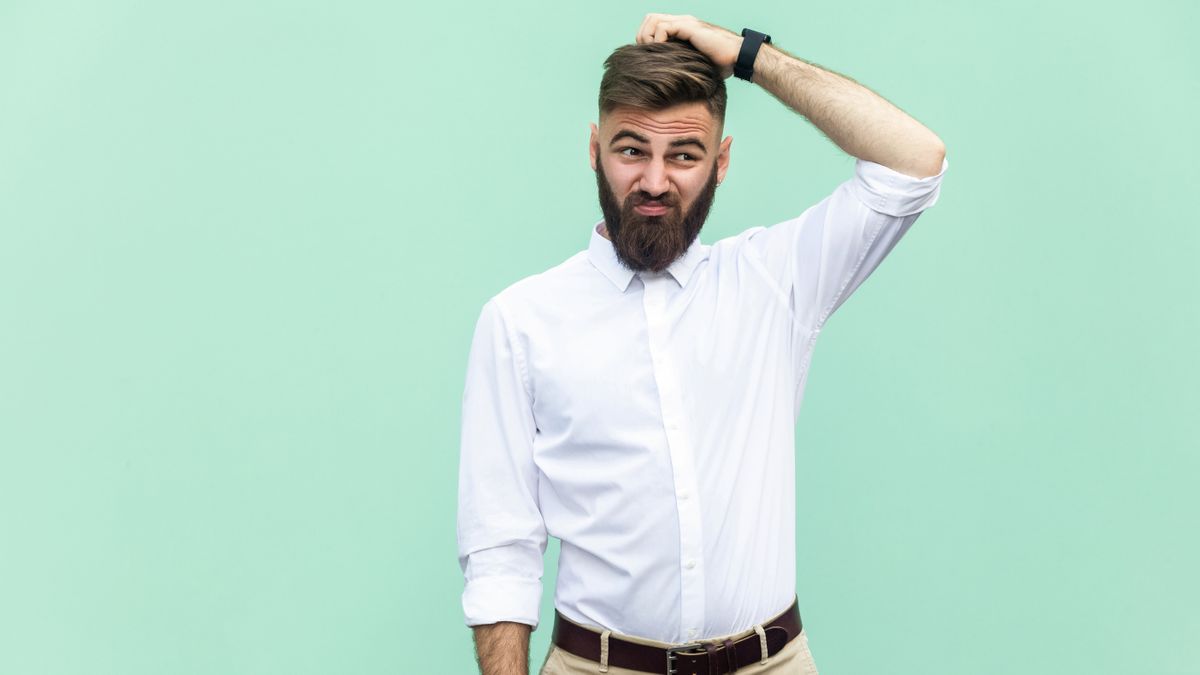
(683, 495)
(673, 426)
(691, 564)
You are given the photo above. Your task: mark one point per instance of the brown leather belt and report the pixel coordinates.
(692, 658)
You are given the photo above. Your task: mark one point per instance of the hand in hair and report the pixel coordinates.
(717, 43)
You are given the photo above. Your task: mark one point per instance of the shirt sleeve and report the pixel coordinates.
(501, 534)
(820, 257)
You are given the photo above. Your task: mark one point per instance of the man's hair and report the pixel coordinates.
(658, 75)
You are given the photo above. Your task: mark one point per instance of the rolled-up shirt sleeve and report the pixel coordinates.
(501, 533)
(820, 257)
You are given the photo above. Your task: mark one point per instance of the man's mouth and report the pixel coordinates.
(650, 209)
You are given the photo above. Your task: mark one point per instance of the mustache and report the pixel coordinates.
(642, 199)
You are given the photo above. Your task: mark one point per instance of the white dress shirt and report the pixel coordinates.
(648, 420)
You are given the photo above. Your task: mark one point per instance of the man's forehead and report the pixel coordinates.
(679, 120)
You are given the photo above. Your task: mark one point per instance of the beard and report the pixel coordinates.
(652, 242)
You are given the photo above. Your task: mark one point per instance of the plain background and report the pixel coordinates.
(243, 246)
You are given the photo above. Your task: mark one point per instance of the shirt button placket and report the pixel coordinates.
(691, 542)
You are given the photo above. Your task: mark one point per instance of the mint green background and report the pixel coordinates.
(243, 246)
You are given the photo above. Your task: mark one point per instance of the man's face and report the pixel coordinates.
(656, 172)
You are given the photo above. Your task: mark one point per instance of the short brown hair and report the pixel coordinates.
(659, 75)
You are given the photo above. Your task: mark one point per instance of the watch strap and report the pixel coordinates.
(752, 40)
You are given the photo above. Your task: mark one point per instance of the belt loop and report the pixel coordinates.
(762, 640)
(604, 651)
(731, 656)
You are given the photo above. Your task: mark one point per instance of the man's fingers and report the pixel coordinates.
(650, 31)
(661, 27)
(646, 30)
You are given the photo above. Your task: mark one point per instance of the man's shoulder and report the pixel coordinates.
(548, 289)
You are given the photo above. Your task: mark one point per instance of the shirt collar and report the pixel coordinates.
(604, 258)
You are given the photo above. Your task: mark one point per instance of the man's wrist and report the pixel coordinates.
(751, 44)
(766, 63)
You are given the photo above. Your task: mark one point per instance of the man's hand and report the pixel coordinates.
(718, 44)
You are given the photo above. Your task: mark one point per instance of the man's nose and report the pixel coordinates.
(654, 179)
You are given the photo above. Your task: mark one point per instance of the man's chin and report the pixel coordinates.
(640, 221)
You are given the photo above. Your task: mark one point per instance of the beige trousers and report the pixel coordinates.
(794, 659)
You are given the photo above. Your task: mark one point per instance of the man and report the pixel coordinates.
(638, 401)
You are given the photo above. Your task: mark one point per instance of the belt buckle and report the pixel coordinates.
(679, 648)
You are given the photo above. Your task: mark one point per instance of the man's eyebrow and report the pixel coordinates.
(626, 133)
(690, 140)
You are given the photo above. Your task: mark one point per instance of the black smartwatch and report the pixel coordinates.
(751, 41)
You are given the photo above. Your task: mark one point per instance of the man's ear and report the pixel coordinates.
(594, 145)
(723, 158)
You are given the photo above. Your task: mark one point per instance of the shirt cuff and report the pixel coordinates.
(892, 192)
(491, 599)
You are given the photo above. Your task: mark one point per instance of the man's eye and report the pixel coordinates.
(628, 152)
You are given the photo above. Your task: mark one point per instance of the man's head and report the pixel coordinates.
(657, 152)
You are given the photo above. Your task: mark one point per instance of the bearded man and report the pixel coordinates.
(638, 401)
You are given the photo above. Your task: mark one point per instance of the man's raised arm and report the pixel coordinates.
(856, 119)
